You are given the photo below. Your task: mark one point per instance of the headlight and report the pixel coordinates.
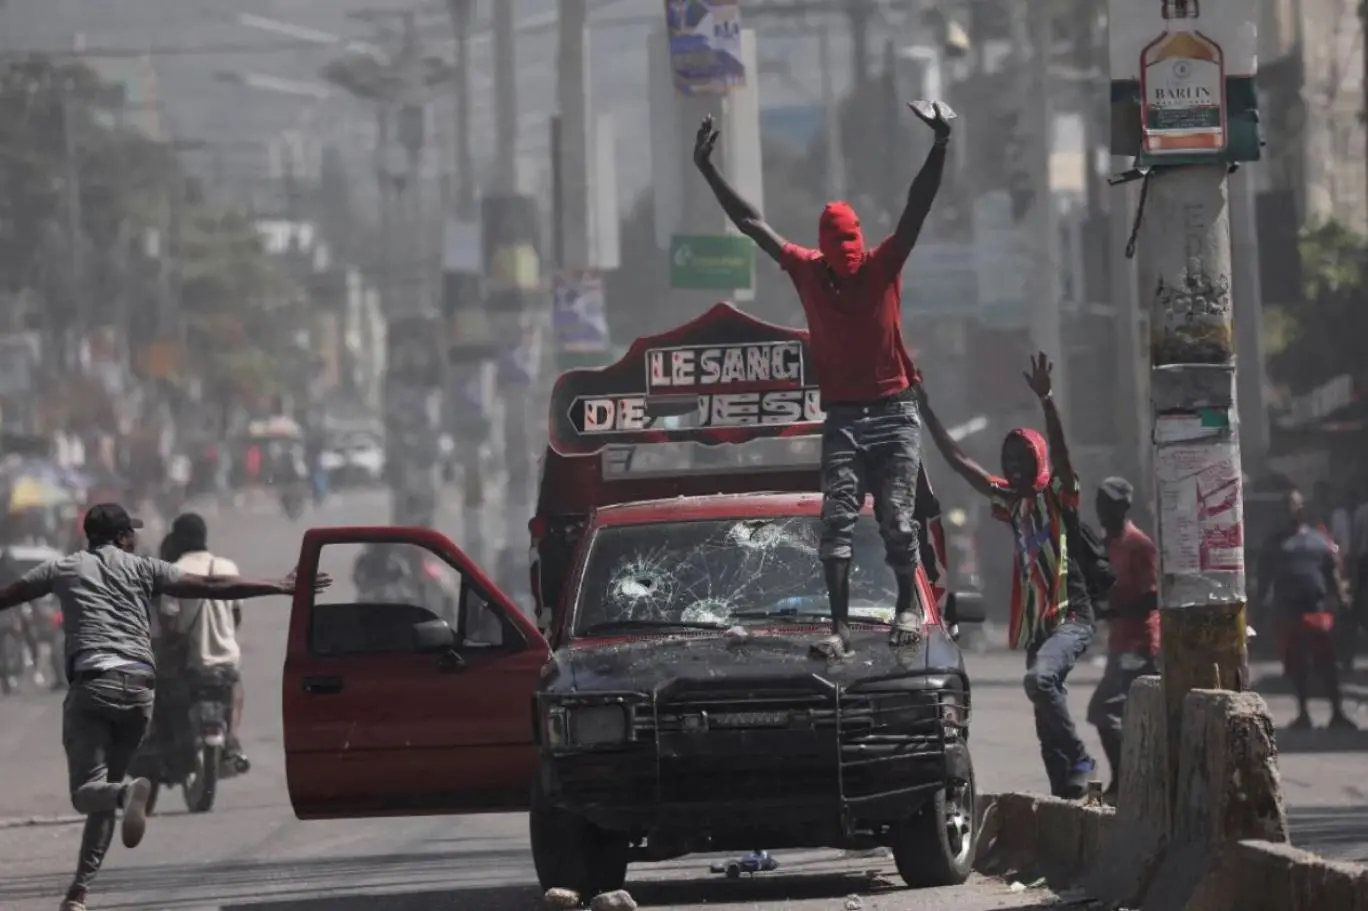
(586, 725)
(595, 725)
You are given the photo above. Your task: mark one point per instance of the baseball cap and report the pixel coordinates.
(106, 521)
(1118, 490)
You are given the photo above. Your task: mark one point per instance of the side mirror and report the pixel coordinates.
(433, 636)
(965, 607)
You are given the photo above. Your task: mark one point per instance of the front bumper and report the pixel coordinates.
(709, 757)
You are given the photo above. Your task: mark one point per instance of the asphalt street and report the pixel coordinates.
(251, 854)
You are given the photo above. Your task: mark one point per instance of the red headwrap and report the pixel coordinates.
(1040, 449)
(840, 239)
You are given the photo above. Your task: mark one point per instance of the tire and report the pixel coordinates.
(936, 846)
(201, 785)
(569, 852)
(733, 871)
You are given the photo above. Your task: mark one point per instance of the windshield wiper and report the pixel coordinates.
(796, 615)
(610, 626)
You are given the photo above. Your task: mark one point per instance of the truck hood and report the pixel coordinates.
(643, 664)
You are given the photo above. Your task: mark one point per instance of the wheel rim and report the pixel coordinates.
(959, 822)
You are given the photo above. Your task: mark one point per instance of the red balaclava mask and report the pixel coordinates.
(840, 239)
(1040, 450)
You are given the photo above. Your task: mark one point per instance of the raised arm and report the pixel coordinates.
(972, 472)
(34, 584)
(233, 588)
(1041, 381)
(927, 183)
(745, 216)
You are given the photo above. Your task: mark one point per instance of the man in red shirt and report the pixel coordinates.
(871, 441)
(1132, 615)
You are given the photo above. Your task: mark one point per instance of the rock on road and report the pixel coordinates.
(251, 854)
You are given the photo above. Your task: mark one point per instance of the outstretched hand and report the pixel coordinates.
(321, 581)
(1041, 376)
(704, 141)
(935, 114)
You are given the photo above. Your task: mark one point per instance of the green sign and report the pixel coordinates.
(711, 262)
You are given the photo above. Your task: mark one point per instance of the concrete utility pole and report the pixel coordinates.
(1132, 388)
(1185, 267)
(1031, 32)
(398, 85)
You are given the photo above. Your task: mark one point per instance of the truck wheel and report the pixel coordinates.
(570, 852)
(936, 846)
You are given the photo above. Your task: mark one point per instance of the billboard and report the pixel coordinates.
(705, 45)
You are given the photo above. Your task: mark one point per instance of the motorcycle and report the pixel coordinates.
(188, 743)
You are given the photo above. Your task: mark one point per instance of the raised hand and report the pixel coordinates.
(935, 114)
(704, 141)
(1040, 378)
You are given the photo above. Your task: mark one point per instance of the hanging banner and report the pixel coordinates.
(1182, 81)
(580, 320)
(705, 45)
(512, 231)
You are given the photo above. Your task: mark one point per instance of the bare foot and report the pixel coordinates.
(907, 629)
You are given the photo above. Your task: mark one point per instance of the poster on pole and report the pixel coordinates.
(1201, 525)
(1182, 81)
(579, 319)
(705, 45)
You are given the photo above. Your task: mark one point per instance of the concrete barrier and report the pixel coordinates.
(1129, 857)
(1228, 790)
(1224, 849)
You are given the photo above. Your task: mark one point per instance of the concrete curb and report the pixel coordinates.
(33, 822)
(1225, 850)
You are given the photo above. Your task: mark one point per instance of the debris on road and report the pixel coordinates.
(561, 898)
(621, 900)
(853, 903)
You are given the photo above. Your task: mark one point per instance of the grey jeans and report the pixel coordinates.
(1106, 709)
(103, 721)
(872, 449)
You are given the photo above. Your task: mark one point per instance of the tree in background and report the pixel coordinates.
(238, 302)
(1324, 334)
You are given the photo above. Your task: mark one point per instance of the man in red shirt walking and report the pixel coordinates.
(871, 441)
(1132, 615)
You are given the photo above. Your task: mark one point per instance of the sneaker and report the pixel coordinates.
(135, 812)
(1076, 785)
(71, 904)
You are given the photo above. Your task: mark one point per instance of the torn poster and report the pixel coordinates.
(1201, 525)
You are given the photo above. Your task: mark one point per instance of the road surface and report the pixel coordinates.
(251, 854)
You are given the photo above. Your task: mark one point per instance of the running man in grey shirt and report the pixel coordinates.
(106, 592)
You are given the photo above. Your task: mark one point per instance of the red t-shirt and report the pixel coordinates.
(857, 343)
(1135, 561)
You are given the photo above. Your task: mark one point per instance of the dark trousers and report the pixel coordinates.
(1048, 663)
(103, 721)
(1106, 709)
(872, 449)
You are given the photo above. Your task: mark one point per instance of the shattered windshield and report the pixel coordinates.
(715, 572)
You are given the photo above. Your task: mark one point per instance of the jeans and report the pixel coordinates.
(1106, 709)
(1048, 663)
(872, 449)
(103, 721)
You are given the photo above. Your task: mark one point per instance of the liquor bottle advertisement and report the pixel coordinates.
(1182, 80)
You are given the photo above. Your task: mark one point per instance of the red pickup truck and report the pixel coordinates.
(666, 703)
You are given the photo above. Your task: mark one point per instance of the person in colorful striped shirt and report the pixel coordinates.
(1052, 613)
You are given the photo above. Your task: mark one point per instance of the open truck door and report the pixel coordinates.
(405, 699)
